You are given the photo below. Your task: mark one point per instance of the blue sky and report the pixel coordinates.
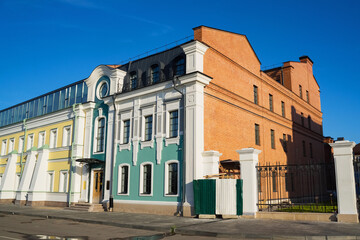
(46, 44)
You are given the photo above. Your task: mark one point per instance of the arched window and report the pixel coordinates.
(133, 80)
(100, 135)
(155, 74)
(179, 67)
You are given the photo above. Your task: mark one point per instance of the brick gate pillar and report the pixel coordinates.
(345, 181)
(248, 162)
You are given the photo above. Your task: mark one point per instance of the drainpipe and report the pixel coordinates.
(111, 199)
(72, 167)
(181, 211)
(23, 148)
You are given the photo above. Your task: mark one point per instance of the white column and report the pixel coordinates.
(7, 188)
(194, 51)
(345, 181)
(136, 130)
(249, 158)
(109, 149)
(210, 163)
(26, 176)
(37, 191)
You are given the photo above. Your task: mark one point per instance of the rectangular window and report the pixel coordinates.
(257, 134)
(271, 107)
(173, 124)
(256, 100)
(274, 181)
(126, 133)
(302, 120)
(148, 127)
(21, 144)
(172, 179)
(66, 136)
(50, 182)
(53, 138)
(41, 139)
(300, 91)
(309, 122)
(284, 142)
(30, 141)
(146, 179)
(3, 147)
(100, 138)
(124, 179)
(282, 109)
(63, 181)
(11, 145)
(307, 95)
(304, 148)
(289, 182)
(272, 132)
(311, 150)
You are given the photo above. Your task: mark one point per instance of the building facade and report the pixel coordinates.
(138, 134)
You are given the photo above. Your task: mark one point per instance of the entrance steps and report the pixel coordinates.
(87, 207)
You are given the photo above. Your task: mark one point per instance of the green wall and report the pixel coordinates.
(148, 154)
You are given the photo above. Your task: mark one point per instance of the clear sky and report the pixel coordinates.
(47, 44)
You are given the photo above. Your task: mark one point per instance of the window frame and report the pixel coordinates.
(30, 136)
(133, 78)
(282, 108)
(21, 144)
(271, 103)
(64, 140)
(11, 145)
(52, 141)
(166, 180)
(256, 94)
(272, 137)
(176, 66)
(52, 182)
(3, 147)
(120, 180)
(300, 92)
(141, 182)
(257, 135)
(42, 138)
(152, 73)
(62, 181)
(124, 116)
(96, 137)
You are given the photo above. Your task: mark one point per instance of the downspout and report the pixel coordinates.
(72, 155)
(111, 199)
(23, 148)
(181, 211)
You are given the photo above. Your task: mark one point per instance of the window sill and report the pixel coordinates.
(126, 146)
(175, 140)
(171, 195)
(145, 195)
(144, 144)
(123, 194)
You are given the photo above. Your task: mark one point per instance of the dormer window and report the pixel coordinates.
(133, 80)
(155, 77)
(179, 67)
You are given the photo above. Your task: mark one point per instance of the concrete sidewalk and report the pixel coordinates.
(232, 228)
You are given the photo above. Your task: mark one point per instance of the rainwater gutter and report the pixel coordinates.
(181, 211)
(23, 148)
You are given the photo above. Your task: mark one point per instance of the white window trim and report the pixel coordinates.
(96, 124)
(61, 181)
(53, 178)
(119, 180)
(11, 145)
(21, 144)
(172, 106)
(42, 132)
(28, 147)
(123, 117)
(98, 89)
(63, 138)
(51, 143)
(3, 147)
(141, 185)
(166, 182)
(149, 111)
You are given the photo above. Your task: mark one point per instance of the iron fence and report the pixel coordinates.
(297, 188)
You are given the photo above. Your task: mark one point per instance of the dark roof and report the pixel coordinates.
(357, 149)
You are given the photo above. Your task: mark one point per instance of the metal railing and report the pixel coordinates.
(297, 188)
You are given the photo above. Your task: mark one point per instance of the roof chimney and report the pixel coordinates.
(306, 59)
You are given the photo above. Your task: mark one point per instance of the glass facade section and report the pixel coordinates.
(53, 101)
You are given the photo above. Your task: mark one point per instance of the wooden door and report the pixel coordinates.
(97, 186)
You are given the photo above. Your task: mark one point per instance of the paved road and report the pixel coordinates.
(188, 227)
(16, 227)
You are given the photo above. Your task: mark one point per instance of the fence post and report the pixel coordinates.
(345, 181)
(248, 162)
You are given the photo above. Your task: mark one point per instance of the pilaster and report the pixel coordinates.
(249, 158)
(26, 176)
(7, 188)
(345, 181)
